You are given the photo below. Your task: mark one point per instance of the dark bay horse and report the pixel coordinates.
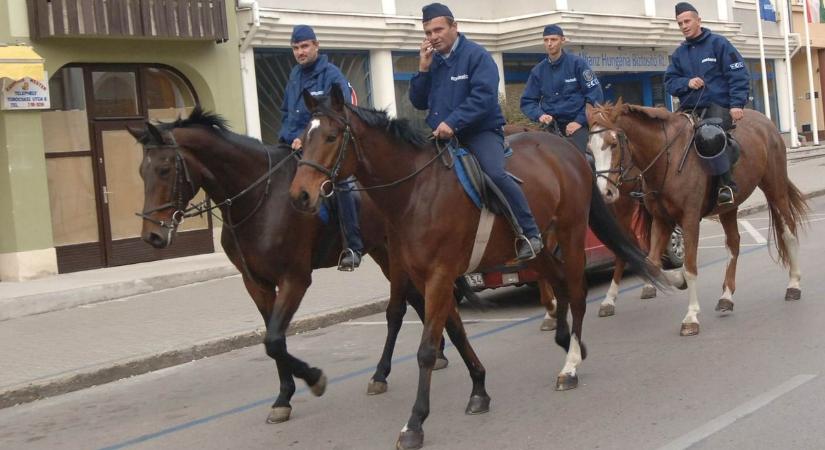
(274, 247)
(628, 215)
(656, 140)
(432, 225)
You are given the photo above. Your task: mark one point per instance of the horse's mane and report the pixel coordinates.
(607, 113)
(401, 130)
(215, 123)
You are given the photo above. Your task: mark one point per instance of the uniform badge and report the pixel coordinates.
(588, 75)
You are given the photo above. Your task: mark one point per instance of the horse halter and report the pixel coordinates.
(620, 169)
(177, 202)
(332, 173)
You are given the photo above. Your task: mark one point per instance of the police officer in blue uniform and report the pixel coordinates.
(710, 78)
(558, 89)
(316, 74)
(457, 81)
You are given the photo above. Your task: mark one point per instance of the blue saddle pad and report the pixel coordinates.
(463, 177)
(324, 213)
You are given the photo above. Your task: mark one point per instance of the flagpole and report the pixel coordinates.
(814, 122)
(786, 28)
(762, 60)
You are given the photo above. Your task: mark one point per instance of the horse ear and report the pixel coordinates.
(136, 132)
(337, 97)
(155, 133)
(309, 100)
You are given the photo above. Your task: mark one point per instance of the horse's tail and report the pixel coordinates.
(607, 229)
(794, 215)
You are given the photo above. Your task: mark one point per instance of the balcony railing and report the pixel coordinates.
(167, 19)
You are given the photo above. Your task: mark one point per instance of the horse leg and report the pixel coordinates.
(439, 302)
(786, 207)
(417, 301)
(576, 293)
(793, 292)
(291, 291)
(396, 309)
(690, 232)
(608, 306)
(548, 299)
(731, 228)
(479, 400)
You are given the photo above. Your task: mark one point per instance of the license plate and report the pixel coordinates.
(475, 280)
(509, 278)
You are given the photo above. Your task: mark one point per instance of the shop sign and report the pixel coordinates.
(624, 60)
(25, 93)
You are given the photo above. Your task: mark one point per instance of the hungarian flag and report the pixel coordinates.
(767, 11)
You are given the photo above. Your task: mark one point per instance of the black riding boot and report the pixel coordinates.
(727, 190)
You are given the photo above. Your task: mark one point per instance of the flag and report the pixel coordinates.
(767, 10)
(810, 11)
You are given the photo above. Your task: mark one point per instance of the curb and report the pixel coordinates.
(138, 366)
(58, 300)
(764, 206)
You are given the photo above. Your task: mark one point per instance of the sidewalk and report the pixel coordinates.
(72, 331)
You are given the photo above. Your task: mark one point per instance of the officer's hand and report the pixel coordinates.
(696, 83)
(572, 127)
(425, 56)
(546, 119)
(296, 144)
(736, 114)
(443, 131)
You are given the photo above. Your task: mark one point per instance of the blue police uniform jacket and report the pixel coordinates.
(561, 88)
(712, 58)
(461, 90)
(318, 80)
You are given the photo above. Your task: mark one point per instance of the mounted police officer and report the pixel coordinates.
(316, 74)
(709, 76)
(558, 89)
(457, 81)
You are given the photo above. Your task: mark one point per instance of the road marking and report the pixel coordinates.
(740, 412)
(414, 322)
(756, 235)
(725, 246)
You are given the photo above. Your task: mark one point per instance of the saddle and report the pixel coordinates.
(480, 188)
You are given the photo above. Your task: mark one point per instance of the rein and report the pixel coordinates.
(332, 173)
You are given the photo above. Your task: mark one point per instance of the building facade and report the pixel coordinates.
(70, 184)
(627, 43)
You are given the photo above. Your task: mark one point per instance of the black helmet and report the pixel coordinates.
(710, 139)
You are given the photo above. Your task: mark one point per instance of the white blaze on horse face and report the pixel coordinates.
(313, 126)
(602, 155)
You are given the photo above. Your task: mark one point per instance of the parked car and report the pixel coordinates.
(598, 256)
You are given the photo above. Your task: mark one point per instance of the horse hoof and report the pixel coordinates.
(724, 305)
(548, 325)
(441, 363)
(376, 387)
(319, 387)
(566, 382)
(689, 329)
(279, 414)
(607, 310)
(793, 294)
(478, 404)
(410, 439)
(648, 292)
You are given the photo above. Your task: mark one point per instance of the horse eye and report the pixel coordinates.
(331, 138)
(164, 171)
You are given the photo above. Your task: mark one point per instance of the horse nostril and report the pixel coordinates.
(304, 198)
(155, 240)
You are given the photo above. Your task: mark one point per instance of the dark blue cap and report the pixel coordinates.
(553, 29)
(684, 7)
(434, 10)
(303, 33)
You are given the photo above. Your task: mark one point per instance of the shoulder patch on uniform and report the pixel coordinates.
(587, 75)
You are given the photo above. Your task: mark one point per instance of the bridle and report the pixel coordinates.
(621, 137)
(176, 202)
(349, 137)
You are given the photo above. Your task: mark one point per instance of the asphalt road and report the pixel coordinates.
(752, 378)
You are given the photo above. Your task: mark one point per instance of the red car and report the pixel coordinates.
(598, 257)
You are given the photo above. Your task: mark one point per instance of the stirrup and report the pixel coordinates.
(349, 267)
(732, 198)
(525, 239)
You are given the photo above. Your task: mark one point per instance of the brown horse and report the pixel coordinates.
(433, 224)
(273, 246)
(625, 208)
(656, 141)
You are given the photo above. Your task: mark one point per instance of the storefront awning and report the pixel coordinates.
(18, 61)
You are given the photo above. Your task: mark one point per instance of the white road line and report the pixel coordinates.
(742, 411)
(725, 246)
(467, 321)
(757, 236)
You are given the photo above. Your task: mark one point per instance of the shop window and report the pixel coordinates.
(114, 94)
(167, 95)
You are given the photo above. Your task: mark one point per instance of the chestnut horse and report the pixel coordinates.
(432, 225)
(274, 247)
(656, 141)
(624, 207)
